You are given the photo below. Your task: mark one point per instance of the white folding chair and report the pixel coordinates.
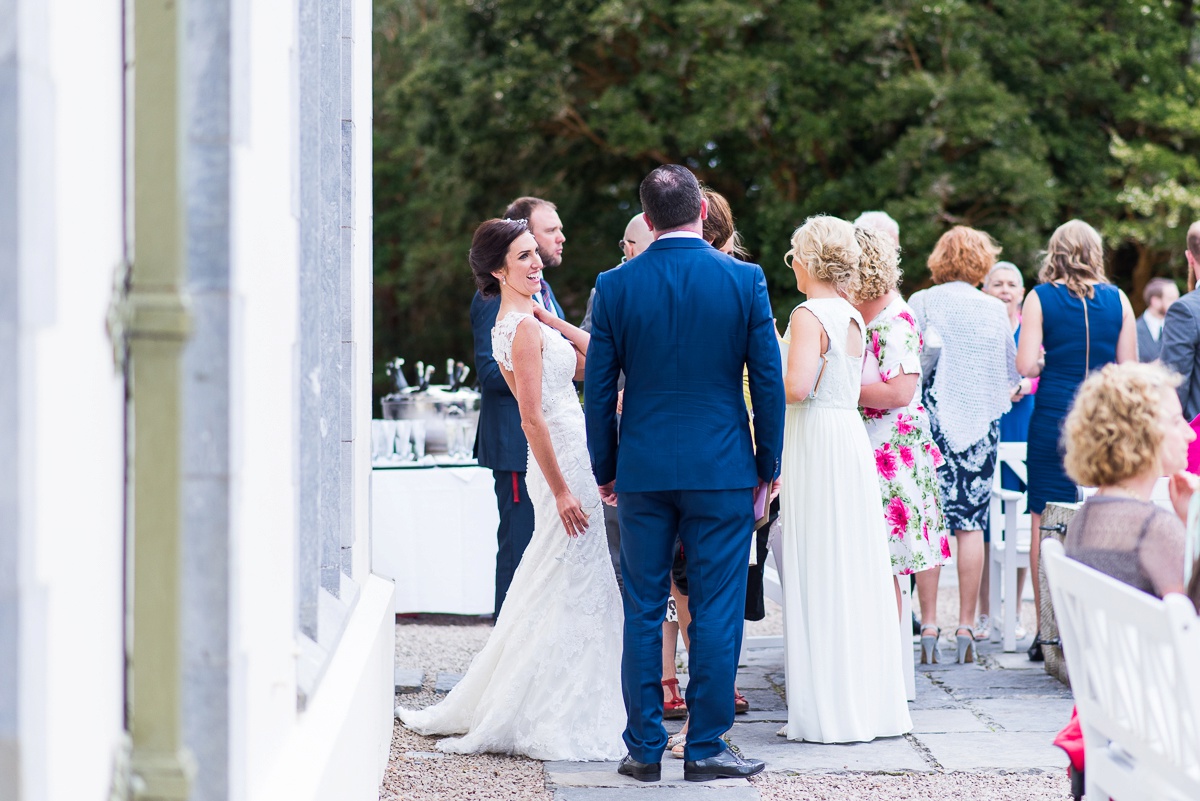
(1010, 539)
(1132, 659)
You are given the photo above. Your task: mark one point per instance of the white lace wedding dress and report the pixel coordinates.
(547, 684)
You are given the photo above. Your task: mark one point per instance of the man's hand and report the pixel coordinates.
(607, 495)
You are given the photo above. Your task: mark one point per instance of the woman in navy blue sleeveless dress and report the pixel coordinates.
(1083, 323)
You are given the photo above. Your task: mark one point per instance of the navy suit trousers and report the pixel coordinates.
(515, 530)
(715, 527)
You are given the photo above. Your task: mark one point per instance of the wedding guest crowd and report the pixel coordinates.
(890, 414)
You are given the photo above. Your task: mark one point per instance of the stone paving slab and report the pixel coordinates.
(1042, 714)
(655, 792)
(408, 680)
(776, 716)
(972, 682)
(932, 696)
(753, 679)
(890, 754)
(604, 774)
(762, 700)
(1017, 661)
(943, 721)
(446, 682)
(995, 751)
(988, 693)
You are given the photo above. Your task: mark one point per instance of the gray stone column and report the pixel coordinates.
(205, 449)
(10, 410)
(27, 278)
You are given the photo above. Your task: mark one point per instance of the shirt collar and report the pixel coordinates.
(681, 235)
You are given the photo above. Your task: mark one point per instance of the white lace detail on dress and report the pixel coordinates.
(547, 684)
(842, 379)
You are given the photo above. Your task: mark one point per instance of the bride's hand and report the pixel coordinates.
(574, 519)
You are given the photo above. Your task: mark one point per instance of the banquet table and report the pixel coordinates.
(433, 531)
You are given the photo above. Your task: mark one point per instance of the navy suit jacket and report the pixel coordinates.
(682, 320)
(500, 443)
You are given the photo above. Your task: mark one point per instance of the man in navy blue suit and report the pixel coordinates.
(683, 320)
(499, 441)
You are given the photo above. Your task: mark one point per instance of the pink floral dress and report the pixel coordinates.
(906, 457)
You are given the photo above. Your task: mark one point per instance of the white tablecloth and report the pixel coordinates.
(434, 532)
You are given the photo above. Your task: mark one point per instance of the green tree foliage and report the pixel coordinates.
(1007, 116)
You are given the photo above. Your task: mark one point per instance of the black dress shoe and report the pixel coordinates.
(725, 765)
(642, 771)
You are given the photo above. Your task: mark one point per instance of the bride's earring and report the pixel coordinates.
(503, 282)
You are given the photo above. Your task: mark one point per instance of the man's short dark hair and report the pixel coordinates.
(670, 197)
(1155, 288)
(522, 207)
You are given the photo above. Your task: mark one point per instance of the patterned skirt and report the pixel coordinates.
(965, 480)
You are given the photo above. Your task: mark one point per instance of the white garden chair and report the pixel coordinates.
(1134, 662)
(1009, 530)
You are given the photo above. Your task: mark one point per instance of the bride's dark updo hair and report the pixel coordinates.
(489, 247)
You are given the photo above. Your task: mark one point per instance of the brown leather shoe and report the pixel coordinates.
(740, 704)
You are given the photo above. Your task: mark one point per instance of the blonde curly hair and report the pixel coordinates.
(879, 267)
(828, 252)
(1113, 431)
(1075, 256)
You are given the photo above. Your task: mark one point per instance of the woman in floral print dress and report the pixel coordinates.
(906, 457)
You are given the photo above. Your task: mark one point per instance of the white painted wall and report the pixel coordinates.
(71, 655)
(264, 342)
(347, 725)
(72, 607)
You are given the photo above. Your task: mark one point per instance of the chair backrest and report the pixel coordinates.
(1134, 662)
(1012, 454)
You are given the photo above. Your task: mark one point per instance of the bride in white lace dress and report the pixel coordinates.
(547, 683)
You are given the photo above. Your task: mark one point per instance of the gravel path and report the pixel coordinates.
(417, 771)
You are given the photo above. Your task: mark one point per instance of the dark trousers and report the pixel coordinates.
(612, 528)
(714, 526)
(515, 530)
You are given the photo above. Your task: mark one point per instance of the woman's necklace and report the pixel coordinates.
(1117, 491)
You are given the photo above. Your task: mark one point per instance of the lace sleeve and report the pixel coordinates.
(502, 338)
(1160, 553)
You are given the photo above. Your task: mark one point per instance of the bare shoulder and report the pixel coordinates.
(803, 317)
